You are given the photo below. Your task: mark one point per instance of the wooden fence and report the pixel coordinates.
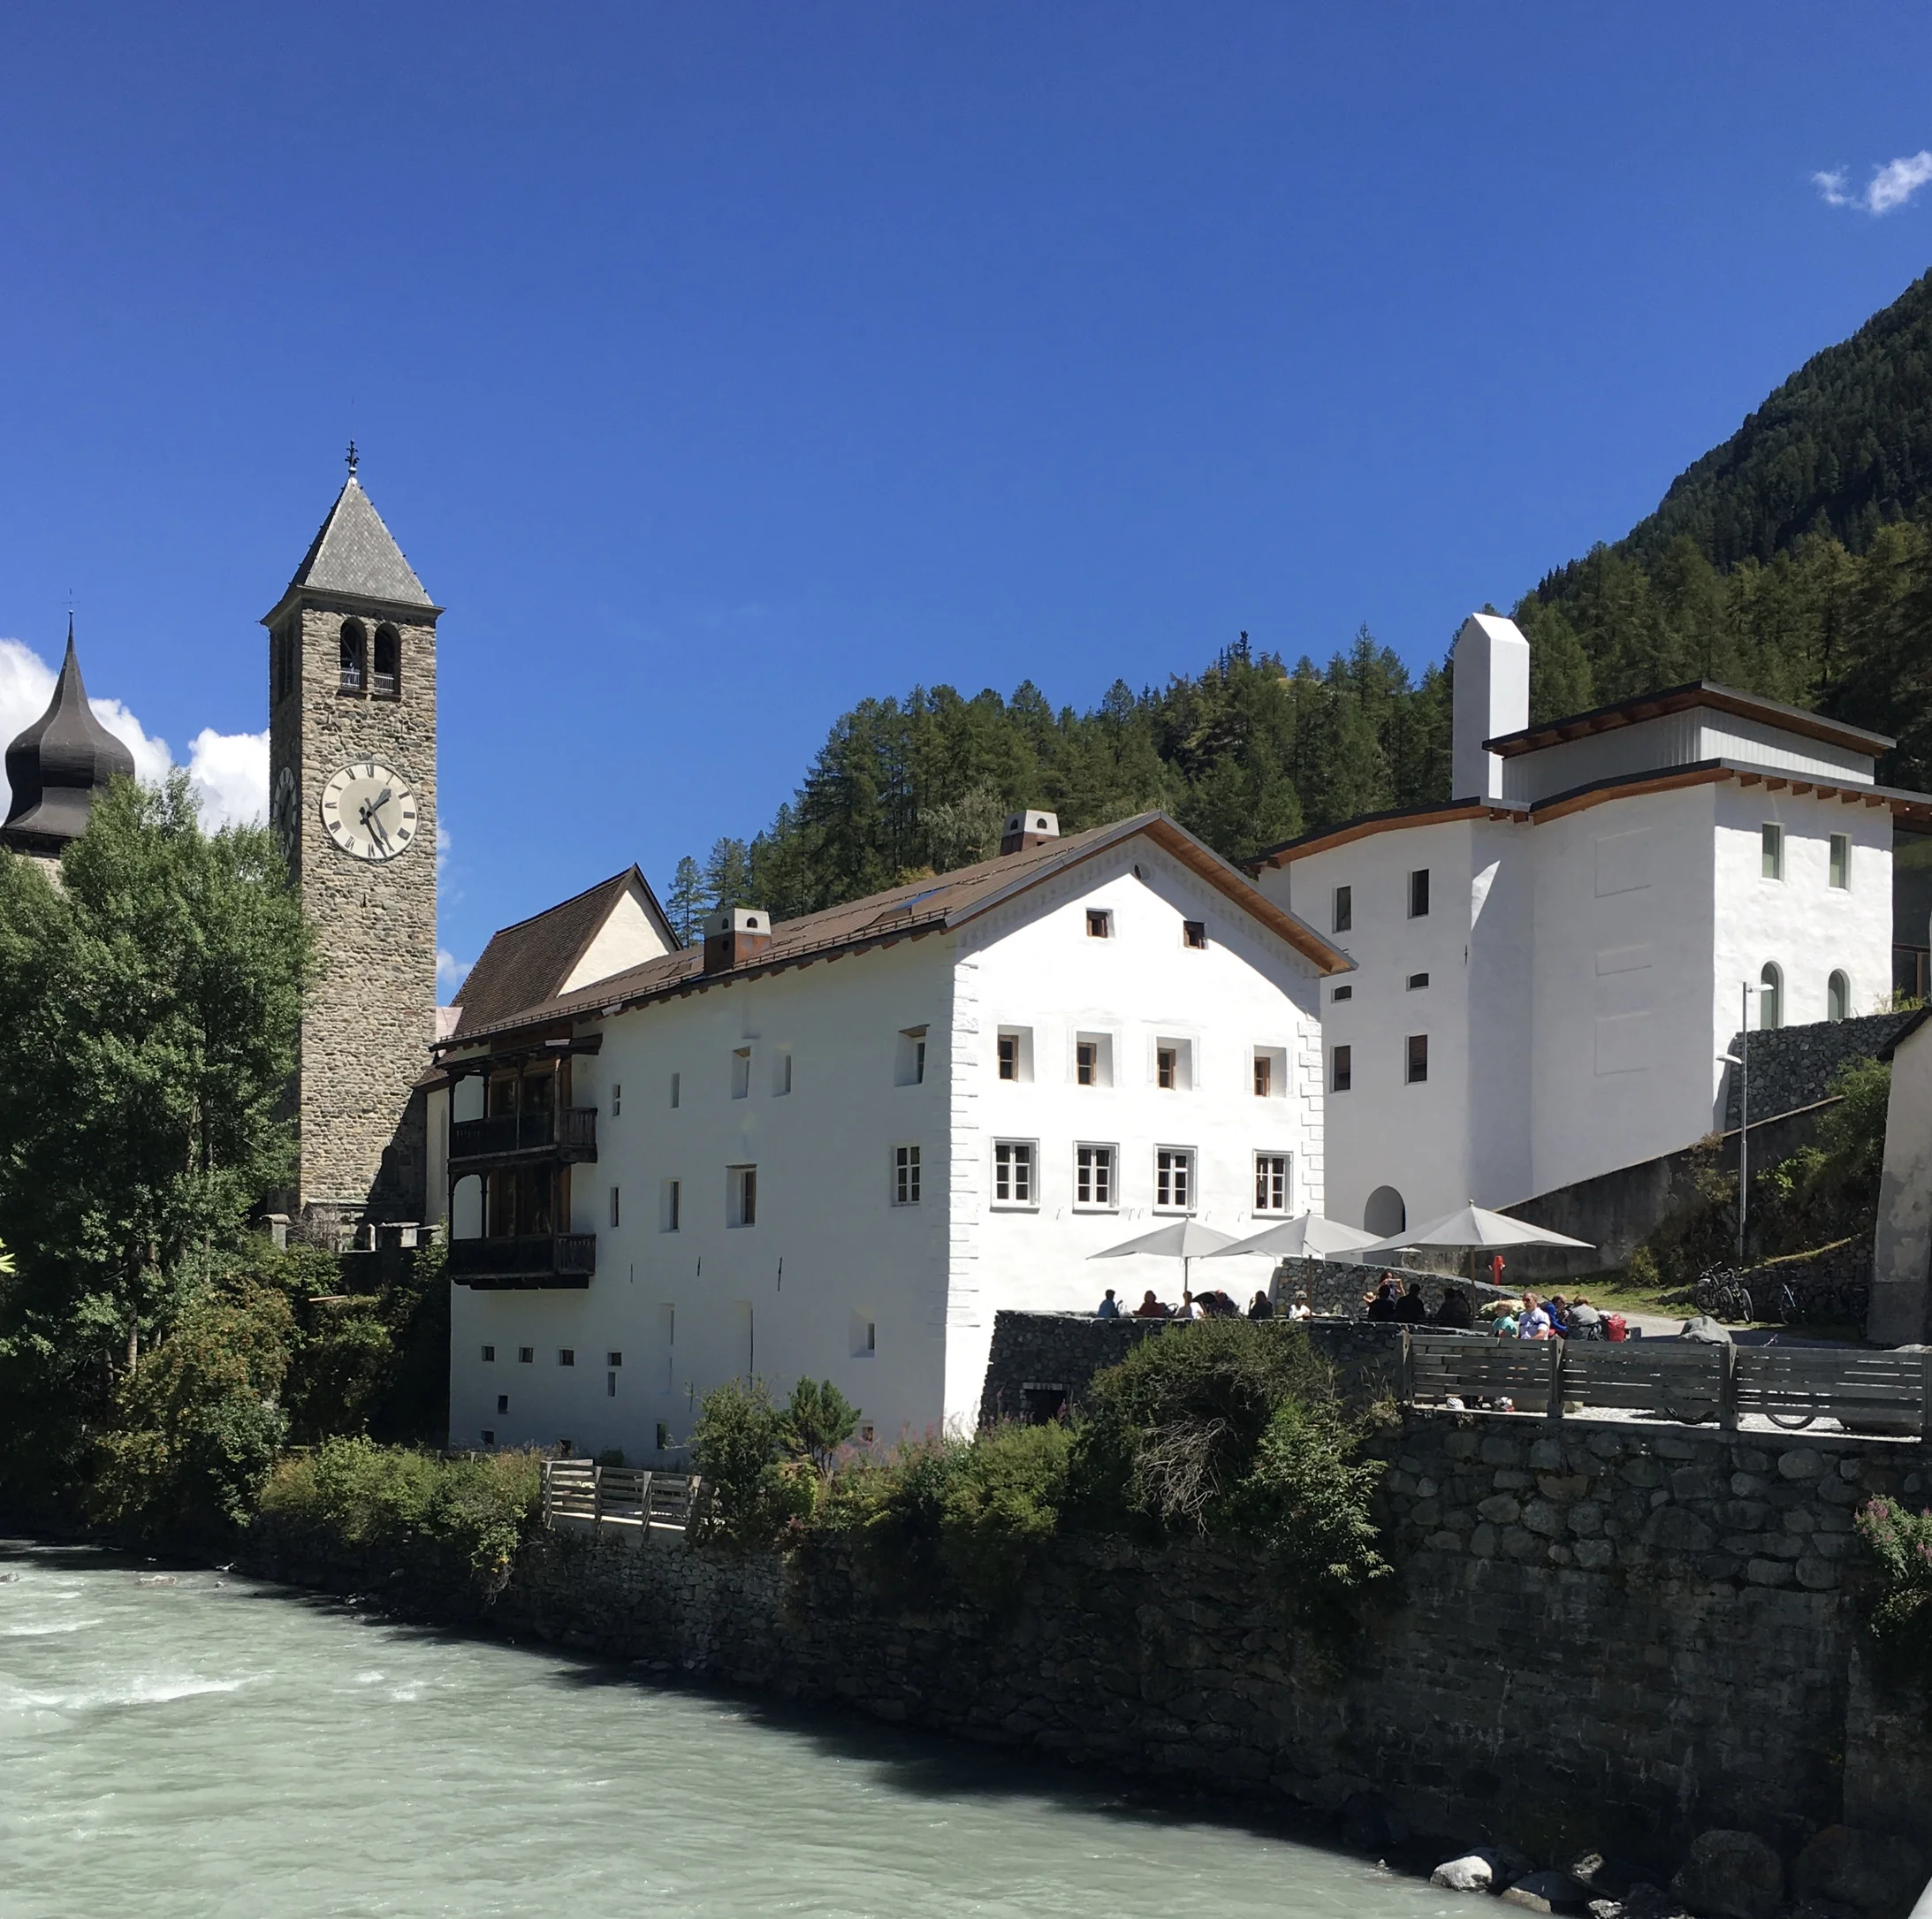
(1864, 1390)
(577, 1492)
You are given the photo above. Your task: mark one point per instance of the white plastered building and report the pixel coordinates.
(837, 1146)
(1549, 966)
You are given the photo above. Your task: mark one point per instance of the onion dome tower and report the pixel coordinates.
(57, 766)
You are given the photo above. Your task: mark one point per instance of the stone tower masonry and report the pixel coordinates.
(351, 719)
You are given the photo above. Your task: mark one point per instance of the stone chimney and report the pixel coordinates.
(735, 936)
(1030, 828)
(1492, 699)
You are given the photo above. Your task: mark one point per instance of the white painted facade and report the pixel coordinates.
(812, 1073)
(1583, 962)
(1902, 1248)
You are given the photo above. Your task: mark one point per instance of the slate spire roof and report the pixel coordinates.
(356, 554)
(59, 765)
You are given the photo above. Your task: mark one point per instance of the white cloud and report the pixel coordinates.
(1890, 186)
(229, 771)
(450, 972)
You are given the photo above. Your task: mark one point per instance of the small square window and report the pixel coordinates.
(905, 1176)
(1013, 1172)
(616, 1098)
(1194, 934)
(1100, 924)
(1418, 894)
(566, 1355)
(1093, 1176)
(490, 1355)
(1271, 1187)
(526, 1355)
(1174, 1178)
(1344, 909)
(1841, 860)
(742, 1195)
(1341, 994)
(489, 1436)
(741, 1073)
(503, 1402)
(1771, 850)
(1417, 981)
(1418, 1058)
(865, 1436)
(1342, 1069)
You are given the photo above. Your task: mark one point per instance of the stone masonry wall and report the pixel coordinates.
(1601, 1634)
(1793, 1066)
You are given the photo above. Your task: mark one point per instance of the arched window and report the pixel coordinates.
(387, 681)
(1385, 1213)
(1771, 999)
(1837, 998)
(354, 656)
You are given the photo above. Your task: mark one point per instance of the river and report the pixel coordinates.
(200, 1744)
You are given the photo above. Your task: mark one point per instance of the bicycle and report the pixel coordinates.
(1722, 1293)
(1791, 1309)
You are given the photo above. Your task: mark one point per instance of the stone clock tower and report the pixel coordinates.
(352, 773)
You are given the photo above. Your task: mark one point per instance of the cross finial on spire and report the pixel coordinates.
(352, 459)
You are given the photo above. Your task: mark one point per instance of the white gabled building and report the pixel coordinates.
(837, 1146)
(1549, 965)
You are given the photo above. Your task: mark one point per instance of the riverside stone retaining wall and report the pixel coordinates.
(1610, 1634)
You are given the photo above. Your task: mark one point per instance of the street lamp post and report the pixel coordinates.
(1741, 1060)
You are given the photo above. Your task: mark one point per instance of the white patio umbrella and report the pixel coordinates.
(1475, 1226)
(1185, 1240)
(1309, 1236)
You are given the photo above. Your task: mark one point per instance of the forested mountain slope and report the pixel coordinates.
(1794, 561)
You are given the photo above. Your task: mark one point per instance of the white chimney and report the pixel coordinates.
(1492, 699)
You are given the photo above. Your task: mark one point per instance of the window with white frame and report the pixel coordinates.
(1014, 1053)
(905, 1176)
(741, 1072)
(1013, 1161)
(1271, 1184)
(1270, 1073)
(742, 1195)
(1174, 1065)
(1093, 1060)
(1771, 850)
(1841, 861)
(1093, 1176)
(909, 1065)
(1174, 1179)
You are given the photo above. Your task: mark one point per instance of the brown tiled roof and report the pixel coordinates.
(921, 906)
(530, 962)
(1678, 699)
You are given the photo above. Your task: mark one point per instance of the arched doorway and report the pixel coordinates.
(1385, 1213)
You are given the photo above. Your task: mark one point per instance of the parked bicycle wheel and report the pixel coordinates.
(1795, 1414)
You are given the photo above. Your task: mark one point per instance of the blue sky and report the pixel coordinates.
(720, 366)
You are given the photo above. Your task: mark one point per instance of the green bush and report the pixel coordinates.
(818, 1422)
(1901, 1543)
(353, 1495)
(752, 1493)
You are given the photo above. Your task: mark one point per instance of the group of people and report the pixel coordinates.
(1555, 1318)
(1454, 1312)
(1196, 1306)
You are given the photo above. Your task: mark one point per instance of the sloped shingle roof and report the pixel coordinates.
(356, 553)
(530, 962)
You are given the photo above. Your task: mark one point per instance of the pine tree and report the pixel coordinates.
(686, 907)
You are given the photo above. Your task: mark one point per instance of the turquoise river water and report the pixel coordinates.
(214, 1746)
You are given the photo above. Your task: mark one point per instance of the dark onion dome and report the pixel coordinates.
(57, 766)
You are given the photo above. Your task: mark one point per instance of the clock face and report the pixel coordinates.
(283, 812)
(369, 811)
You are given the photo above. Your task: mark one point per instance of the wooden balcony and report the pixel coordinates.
(527, 1263)
(570, 1138)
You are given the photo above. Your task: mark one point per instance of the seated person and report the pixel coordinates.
(1260, 1307)
(1456, 1314)
(1412, 1309)
(1558, 1309)
(1585, 1323)
(1301, 1309)
(1109, 1308)
(1533, 1322)
(1381, 1302)
(1150, 1308)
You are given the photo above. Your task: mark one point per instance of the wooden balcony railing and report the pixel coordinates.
(571, 1134)
(529, 1261)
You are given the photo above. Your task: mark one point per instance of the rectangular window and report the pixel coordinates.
(1264, 1075)
(1100, 924)
(1086, 1061)
(610, 1385)
(1166, 1066)
(1271, 1183)
(1341, 994)
(872, 1335)
(663, 1437)
(673, 1207)
(909, 1068)
(1416, 981)
(742, 1195)
(1194, 934)
(566, 1355)
(526, 1355)
(617, 1212)
(1344, 909)
(503, 1402)
(676, 1084)
(490, 1355)
(1013, 1172)
(741, 1073)
(1841, 860)
(1009, 1055)
(1771, 853)
(489, 1437)
(905, 1176)
(1418, 894)
(616, 1098)
(781, 1072)
(1342, 1069)
(1174, 1178)
(1418, 1058)
(613, 1358)
(1093, 1176)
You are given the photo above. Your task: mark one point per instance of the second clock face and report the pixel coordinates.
(369, 811)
